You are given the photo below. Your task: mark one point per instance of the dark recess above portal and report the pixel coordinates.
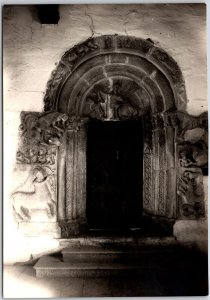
(48, 13)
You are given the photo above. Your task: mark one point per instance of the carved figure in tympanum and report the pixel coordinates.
(94, 105)
(35, 194)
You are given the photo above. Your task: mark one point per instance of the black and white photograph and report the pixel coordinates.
(105, 150)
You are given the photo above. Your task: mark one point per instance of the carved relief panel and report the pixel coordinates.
(40, 134)
(116, 100)
(192, 165)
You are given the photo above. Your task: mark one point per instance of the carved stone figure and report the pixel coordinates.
(46, 128)
(190, 192)
(35, 194)
(93, 107)
(116, 101)
(193, 156)
(126, 111)
(185, 122)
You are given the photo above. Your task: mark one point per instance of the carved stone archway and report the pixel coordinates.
(117, 78)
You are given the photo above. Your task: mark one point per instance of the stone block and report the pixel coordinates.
(40, 229)
(192, 232)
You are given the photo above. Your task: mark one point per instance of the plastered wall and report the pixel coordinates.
(32, 50)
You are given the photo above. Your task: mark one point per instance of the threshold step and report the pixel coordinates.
(120, 254)
(104, 241)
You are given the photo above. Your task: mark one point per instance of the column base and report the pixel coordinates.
(71, 228)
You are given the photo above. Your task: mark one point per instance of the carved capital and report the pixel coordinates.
(42, 128)
(76, 123)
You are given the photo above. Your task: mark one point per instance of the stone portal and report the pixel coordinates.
(117, 79)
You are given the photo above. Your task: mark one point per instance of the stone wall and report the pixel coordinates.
(32, 50)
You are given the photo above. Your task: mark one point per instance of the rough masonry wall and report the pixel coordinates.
(32, 50)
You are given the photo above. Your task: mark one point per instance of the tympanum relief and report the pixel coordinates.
(116, 100)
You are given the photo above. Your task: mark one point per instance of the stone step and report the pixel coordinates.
(114, 241)
(92, 261)
(119, 254)
(52, 267)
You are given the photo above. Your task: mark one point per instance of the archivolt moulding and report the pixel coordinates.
(107, 60)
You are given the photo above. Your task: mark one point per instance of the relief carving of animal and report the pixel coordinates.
(186, 122)
(35, 194)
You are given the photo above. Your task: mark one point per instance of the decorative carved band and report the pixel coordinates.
(64, 68)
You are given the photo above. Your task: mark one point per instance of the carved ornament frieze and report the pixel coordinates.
(134, 43)
(36, 155)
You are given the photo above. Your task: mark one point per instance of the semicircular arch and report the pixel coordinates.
(116, 66)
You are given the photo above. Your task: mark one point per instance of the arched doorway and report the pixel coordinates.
(114, 79)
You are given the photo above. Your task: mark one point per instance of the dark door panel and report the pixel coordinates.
(114, 174)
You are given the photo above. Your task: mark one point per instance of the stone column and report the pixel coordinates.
(159, 167)
(75, 179)
(62, 181)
